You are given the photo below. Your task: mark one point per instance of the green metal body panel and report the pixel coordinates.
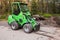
(22, 17)
(10, 19)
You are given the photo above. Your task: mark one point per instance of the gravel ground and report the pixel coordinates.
(46, 32)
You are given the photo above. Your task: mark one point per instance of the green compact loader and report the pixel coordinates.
(21, 18)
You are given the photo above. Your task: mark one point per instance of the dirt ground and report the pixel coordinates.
(46, 32)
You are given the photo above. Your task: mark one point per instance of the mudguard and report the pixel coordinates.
(10, 19)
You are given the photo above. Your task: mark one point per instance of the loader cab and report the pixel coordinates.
(15, 8)
(18, 7)
(24, 7)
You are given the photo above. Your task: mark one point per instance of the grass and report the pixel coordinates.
(3, 17)
(56, 14)
(46, 15)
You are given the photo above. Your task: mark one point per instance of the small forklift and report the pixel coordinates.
(21, 18)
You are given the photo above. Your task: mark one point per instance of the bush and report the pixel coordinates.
(46, 15)
(3, 17)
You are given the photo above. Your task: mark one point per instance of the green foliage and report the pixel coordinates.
(38, 7)
(3, 17)
(46, 15)
(56, 14)
(34, 7)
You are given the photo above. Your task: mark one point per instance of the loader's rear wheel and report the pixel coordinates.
(14, 26)
(27, 28)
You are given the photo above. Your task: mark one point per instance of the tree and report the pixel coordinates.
(40, 6)
(34, 8)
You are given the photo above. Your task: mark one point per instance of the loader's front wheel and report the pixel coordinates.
(27, 28)
(37, 27)
(14, 26)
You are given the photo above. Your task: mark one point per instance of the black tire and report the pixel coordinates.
(37, 27)
(27, 28)
(14, 26)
